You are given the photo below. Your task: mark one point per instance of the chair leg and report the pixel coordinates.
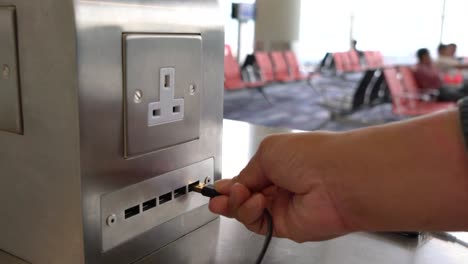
(262, 92)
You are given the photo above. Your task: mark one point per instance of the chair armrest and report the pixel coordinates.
(432, 92)
(427, 96)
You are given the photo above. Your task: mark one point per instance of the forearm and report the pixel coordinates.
(411, 176)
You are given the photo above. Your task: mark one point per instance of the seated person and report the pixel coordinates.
(447, 61)
(354, 48)
(428, 77)
(452, 51)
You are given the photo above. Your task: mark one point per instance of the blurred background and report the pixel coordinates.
(325, 37)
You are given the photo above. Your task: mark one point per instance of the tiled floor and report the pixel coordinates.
(296, 106)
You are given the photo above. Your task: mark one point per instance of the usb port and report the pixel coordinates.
(165, 198)
(192, 186)
(131, 212)
(180, 192)
(149, 205)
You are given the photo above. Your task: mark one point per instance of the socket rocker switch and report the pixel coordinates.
(161, 108)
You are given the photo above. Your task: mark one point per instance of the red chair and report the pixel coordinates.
(374, 59)
(409, 102)
(232, 74)
(347, 66)
(294, 67)
(339, 61)
(265, 66)
(411, 86)
(346, 62)
(281, 69)
(355, 62)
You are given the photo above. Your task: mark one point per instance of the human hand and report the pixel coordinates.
(399, 177)
(287, 176)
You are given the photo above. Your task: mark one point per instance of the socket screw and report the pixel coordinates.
(138, 96)
(111, 220)
(5, 72)
(192, 89)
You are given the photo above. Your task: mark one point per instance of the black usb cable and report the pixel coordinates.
(210, 191)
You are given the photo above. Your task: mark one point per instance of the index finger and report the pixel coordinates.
(253, 176)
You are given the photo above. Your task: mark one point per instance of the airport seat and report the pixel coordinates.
(265, 66)
(294, 67)
(347, 100)
(411, 86)
(355, 62)
(282, 72)
(327, 62)
(339, 62)
(232, 73)
(347, 65)
(374, 59)
(409, 103)
(347, 62)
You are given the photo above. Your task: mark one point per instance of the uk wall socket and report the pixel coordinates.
(168, 109)
(163, 89)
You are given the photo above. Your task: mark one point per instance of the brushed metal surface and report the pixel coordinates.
(115, 203)
(100, 26)
(145, 55)
(71, 154)
(40, 171)
(10, 259)
(10, 101)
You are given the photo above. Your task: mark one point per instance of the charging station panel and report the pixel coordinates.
(116, 108)
(10, 103)
(163, 83)
(136, 209)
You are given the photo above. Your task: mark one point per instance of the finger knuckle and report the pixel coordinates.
(267, 144)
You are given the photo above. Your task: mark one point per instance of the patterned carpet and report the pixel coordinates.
(298, 106)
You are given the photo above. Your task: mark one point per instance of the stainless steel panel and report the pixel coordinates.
(71, 153)
(100, 26)
(145, 55)
(40, 185)
(114, 204)
(10, 102)
(10, 259)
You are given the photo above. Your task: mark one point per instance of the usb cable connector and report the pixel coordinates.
(207, 190)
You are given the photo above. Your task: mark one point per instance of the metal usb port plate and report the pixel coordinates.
(157, 201)
(193, 185)
(180, 192)
(150, 204)
(132, 211)
(165, 198)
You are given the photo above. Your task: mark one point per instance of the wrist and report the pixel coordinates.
(411, 176)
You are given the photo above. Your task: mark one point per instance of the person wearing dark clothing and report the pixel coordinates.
(359, 52)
